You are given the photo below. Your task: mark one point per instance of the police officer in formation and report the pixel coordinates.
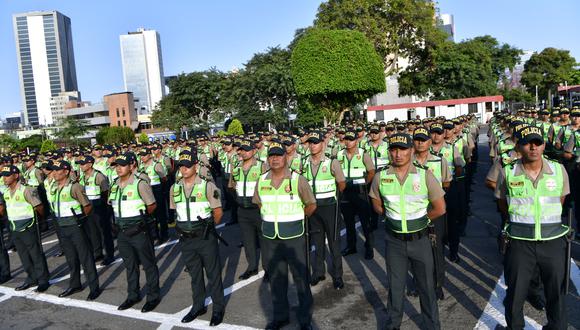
(71, 207)
(243, 180)
(133, 202)
(198, 207)
(409, 196)
(326, 178)
(358, 170)
(23, 207)
(285, 200)
(531, 191)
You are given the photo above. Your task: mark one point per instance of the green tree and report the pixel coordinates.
(574, 77)
(335, 70)
(191, 102)
(33, 143)
(143, 138)
(72, 129)
(397, 28)
(466, 69)
(308, 116)
(115, 134)
(547, 70)
(47, 145)
(235, 128)
(8, 143)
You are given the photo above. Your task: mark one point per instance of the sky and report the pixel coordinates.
(198, 34)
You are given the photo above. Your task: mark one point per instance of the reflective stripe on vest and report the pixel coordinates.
(30, 177)
(282, 209)
(405, 205)
(127, 202)
(92, 189)
(154, 178)
(246, 184)
(535, 213)
(20, 212)
(62, 203)
(323, 183)
(354, 168)
(189, 208)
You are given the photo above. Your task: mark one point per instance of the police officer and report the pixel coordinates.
(194, 198)
(23, 208)
(326, 178)
(157, 176)
(243, 180)
(409, 196)
(379, 152)
(359, 170)
(69, 203)
(132, 200)
(531, 192)
(285, 198)
(96, 187)
(436, 164)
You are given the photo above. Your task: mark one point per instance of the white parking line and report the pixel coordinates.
(166, 320)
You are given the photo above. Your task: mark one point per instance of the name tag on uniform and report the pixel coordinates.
(387, 180)
(265, 188)
(516, 184)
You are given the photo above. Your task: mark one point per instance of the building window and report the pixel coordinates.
(118, 112)
(123, 112)
(125, 123)
(380, 115)
(472, 108)
(431, 112)
(118, 123)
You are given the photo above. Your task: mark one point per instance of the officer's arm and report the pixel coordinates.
(446, 185)
(217, 214)
(87, 209)
(503, 207)
(341, 185)
(437, 208)
(309, 209)
(39, 209)
(151, 208)
(370, 176)
(2, 210)
(490, 184)
(377, 206)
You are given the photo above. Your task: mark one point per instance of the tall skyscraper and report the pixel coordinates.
(143, 68)
(46, 62)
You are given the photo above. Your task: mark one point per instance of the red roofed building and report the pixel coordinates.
(482, 107)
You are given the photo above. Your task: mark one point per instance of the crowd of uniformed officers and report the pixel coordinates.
(292, 193)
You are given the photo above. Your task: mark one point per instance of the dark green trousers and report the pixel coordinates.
(77, 250)
(31, 256)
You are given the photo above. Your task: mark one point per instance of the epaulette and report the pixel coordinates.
(416, 163)
(434, 153)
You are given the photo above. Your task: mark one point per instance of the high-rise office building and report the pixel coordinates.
(46, 62)
(143, 68)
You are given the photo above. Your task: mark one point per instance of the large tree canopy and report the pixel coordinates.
(547, 70)
(397, 28)
(466, 69)
(336, 69)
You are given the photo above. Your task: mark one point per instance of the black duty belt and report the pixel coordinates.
(188, 234)
(410, 236)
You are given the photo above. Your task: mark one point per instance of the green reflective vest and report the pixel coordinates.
(447, 152)
(127, 203)
(101, 165)
(188, 208)
(405, 205)
(20, 212)
(30, 177)
(282, 209)
(435, 165)
(354, 168)
(154, 177)
(63, 203)
(92, 189)
(535, 213)
(323, 183)
(379, 155)
(246, 183)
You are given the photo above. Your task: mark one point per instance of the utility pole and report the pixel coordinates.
(536, 96)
